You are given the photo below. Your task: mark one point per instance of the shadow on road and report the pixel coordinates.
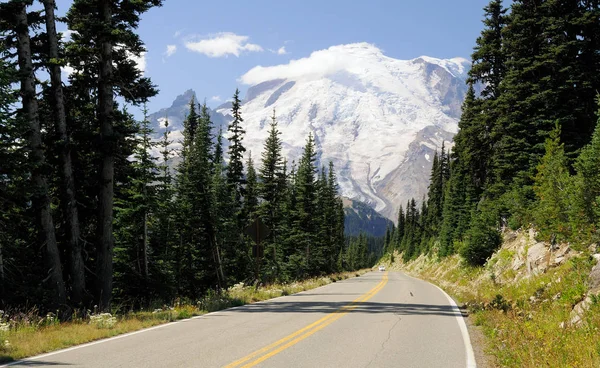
(37, 363)
(364, 307)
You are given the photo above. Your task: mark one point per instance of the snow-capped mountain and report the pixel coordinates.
(378, 119)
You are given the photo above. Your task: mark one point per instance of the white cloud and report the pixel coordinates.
(67, 69)
(280, 51)
(66, 34)
(318, 64)
(177, 33)
(171, 49)
(222, 44)
(139, 60)
(216, 98)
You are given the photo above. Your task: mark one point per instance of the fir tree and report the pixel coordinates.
(97, 48)
(16, 26)
(251, 196)
(552, 184)
(306, 192)
(399, 232)
(588, 178)
(235, 169)
(271, 190)
(489, 60)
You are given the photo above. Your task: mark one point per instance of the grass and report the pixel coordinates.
(27, 334)
(526, 320)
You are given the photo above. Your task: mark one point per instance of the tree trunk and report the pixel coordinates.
(41, 198)
(70, 204)
(2, 291)
(145, 241)
(104, 255)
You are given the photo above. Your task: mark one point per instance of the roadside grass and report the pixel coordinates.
(25, 334)
(526, 321)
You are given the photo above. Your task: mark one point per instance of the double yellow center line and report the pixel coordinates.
(278, 346)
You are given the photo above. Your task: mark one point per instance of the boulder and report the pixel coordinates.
(535, 258)
(579, 310)
(594, 279)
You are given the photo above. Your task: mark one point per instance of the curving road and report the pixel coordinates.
(380, 319)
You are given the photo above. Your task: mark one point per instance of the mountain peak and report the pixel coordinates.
(378, 119)
(185, 98)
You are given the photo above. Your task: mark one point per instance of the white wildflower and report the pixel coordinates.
(4, 326)
(103, 320)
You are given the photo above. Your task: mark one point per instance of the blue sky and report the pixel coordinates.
(209, 45)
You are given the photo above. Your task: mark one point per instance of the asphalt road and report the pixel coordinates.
(380, 319)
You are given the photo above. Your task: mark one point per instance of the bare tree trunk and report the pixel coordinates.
(77, 270)
(41, 198)
(107, 167)
(145, 241)
(2, 293)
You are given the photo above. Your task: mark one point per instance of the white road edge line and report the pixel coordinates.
(81, 346)
(464, 331)
(461, 324)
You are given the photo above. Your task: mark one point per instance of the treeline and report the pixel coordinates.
(526, 153)
(88, 216)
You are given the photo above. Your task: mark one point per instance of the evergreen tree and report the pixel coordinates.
(271, 190)
(134, 208)
(97, 48)
(306, 192)
(251, 197)
(233, 258)
(190, 227)
(482, 238)
(552, 185)
(435, 193)
(69, 201)
(587, 185)
(16, 25)
(399, 233)
(336, 222)
(235, 169)
(163, 223)
(489, 60)
(16, 223)
(200, 177)
(387, 240)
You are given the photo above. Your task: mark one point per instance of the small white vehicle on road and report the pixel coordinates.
(382, 268)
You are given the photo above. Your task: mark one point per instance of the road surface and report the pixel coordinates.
(380, 319)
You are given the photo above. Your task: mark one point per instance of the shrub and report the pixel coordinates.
(482, 239)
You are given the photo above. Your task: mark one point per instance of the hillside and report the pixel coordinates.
(360, 218)
(537, 305)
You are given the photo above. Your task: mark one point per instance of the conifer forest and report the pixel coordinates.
(89, 218)
(528, 148)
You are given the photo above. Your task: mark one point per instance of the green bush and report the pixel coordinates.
(482, 239)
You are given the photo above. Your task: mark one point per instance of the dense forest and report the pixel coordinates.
(88, 217)
(527, 153)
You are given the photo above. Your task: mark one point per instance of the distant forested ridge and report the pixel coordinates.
(362, 218)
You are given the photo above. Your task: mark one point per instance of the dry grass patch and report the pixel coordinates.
(526, 319)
